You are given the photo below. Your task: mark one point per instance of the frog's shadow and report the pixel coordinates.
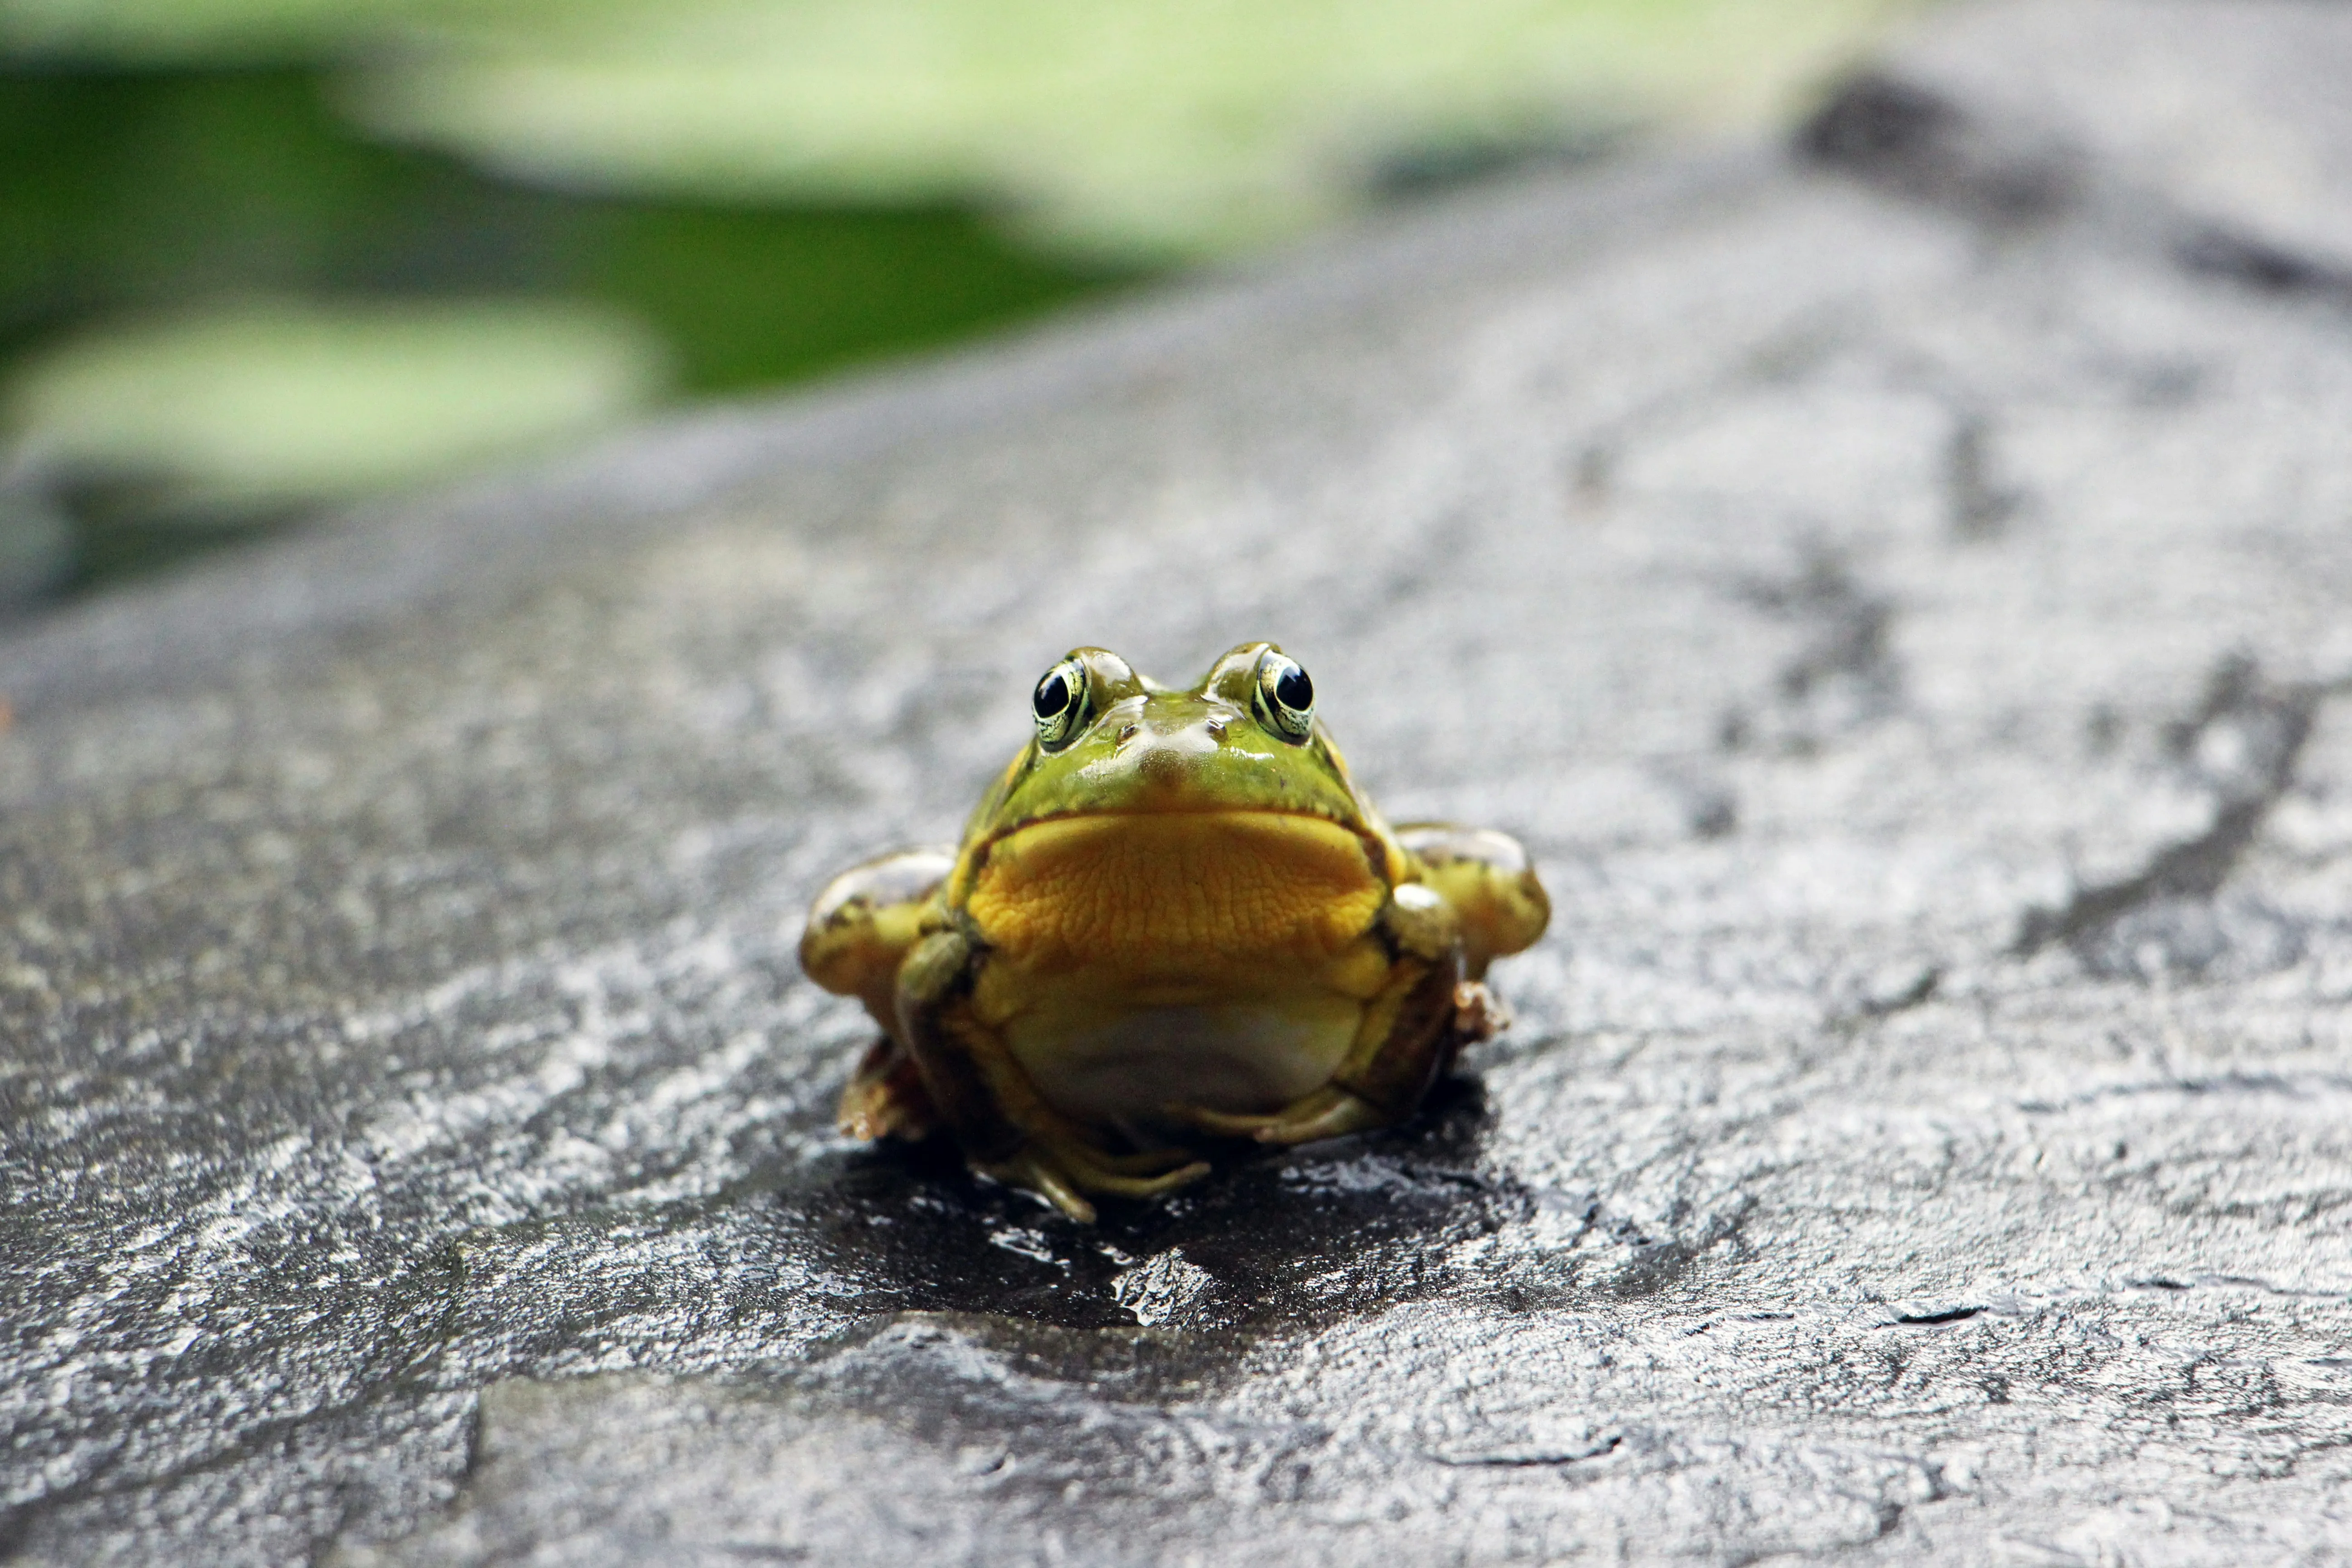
(1270, 1239)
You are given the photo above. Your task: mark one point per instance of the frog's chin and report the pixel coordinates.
(1187, 897)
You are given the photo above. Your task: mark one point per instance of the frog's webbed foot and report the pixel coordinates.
(1062, 1175)
(885, 1098)
(1327, 1112)
(1032, 1172)
(1478, 1014)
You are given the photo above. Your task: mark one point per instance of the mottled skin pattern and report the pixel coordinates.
(1174, 918)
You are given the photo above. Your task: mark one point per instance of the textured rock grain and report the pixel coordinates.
(1912, 637)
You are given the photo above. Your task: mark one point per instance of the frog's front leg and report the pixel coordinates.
(859, 933)
(1007, 1129)
(1410, 1034)
(1487, 878)
(867, 920)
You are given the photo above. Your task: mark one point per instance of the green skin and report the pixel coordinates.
(898, 934)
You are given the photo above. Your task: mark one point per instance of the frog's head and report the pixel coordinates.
(1111, 741)
(1125, 753)
(1123, 771)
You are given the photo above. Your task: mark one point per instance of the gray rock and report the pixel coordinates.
(1911, 639)
(2222, 129)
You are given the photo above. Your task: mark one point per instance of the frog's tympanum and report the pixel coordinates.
(1174, 918)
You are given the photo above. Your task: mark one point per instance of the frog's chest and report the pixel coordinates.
(1117, 1056)
(1114, 1044)
(1218, 959)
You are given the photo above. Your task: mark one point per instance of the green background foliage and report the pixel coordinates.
(320, 211)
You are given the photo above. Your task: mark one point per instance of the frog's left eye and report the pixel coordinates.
(1060, 704)
(1285, 698)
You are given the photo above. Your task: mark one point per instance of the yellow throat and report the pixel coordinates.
(1170, 894)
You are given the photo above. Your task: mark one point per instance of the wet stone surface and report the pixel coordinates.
(1911, 634)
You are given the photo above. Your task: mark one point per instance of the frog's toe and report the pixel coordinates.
(1144, 1186)
(1034, 1172)
(1328, 1112)
(1218, 1124)
(1478, 1014)
(1141, 1176)
(885, 1098)
(1064, 1177)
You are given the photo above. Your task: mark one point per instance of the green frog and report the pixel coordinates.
(1173, 920)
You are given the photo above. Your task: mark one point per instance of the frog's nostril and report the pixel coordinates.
(1216, 729)
(1161, 766)
(1125, 733)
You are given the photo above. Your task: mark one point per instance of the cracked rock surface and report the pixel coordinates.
(1909, 629)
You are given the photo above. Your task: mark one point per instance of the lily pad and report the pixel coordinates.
(278, 404)
(1131, 128)
(1148, 126)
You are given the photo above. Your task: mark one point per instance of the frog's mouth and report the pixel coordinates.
(1146, 891)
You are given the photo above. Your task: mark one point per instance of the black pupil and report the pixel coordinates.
(1053, 695)
(1294, 690)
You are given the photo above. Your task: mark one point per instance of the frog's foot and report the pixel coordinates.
(885, 1098)
(1143, 1175)
(1478, 1014)
(1327, 1112)
(1077, 1148)
(1063, 1176)
(1032, 1172)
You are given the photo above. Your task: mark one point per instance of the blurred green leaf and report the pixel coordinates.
(151, 190)
(748, 298)
(1120, 127)
(275, 405)
(743, 191)
(156, 190)
(202, 33)
(132, 199)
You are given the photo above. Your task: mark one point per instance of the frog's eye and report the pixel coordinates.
(1285, 698)
(1059, 702)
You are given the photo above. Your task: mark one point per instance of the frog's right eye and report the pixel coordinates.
(1060, 704)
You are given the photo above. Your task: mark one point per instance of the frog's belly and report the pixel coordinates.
(1121, 1068)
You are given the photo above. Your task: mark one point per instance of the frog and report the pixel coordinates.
(1174, 924)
